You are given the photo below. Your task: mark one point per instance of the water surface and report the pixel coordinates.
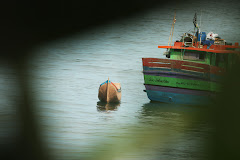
(65, 76)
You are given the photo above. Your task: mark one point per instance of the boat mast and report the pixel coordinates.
(107, 90)
(201, 19)
(172, 30)
(199, 28)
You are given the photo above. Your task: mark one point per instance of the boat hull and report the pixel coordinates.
(109, 92)
(181, 82)
(178, 95)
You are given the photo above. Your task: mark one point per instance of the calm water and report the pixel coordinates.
(66, 75)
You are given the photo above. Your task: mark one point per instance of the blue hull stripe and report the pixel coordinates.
(177, 98)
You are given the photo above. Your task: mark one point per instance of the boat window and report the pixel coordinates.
(177, 50)
(221, 60)
(194, 56)
(213, 59)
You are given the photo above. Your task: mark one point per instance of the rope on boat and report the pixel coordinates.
(104, 83)
(119, 90)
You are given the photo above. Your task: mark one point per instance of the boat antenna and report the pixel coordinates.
(172, 30)
(196, 26)
(195, 21)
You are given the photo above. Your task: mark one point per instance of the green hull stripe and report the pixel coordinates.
(182, 83)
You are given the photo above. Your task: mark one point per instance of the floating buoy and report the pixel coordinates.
(109, 92)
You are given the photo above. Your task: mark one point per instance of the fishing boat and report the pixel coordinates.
(109, 92)
(193, 69)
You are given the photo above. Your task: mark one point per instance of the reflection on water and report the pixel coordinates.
(175, 115)
(105, 107)
(158, 109)
(180, 126)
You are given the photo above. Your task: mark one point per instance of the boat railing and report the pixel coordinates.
(182, 67)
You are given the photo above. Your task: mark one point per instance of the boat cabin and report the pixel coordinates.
(202, 49)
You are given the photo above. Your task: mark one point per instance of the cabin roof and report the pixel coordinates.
(213, 49)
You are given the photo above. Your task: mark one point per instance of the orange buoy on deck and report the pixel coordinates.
(109, 92)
